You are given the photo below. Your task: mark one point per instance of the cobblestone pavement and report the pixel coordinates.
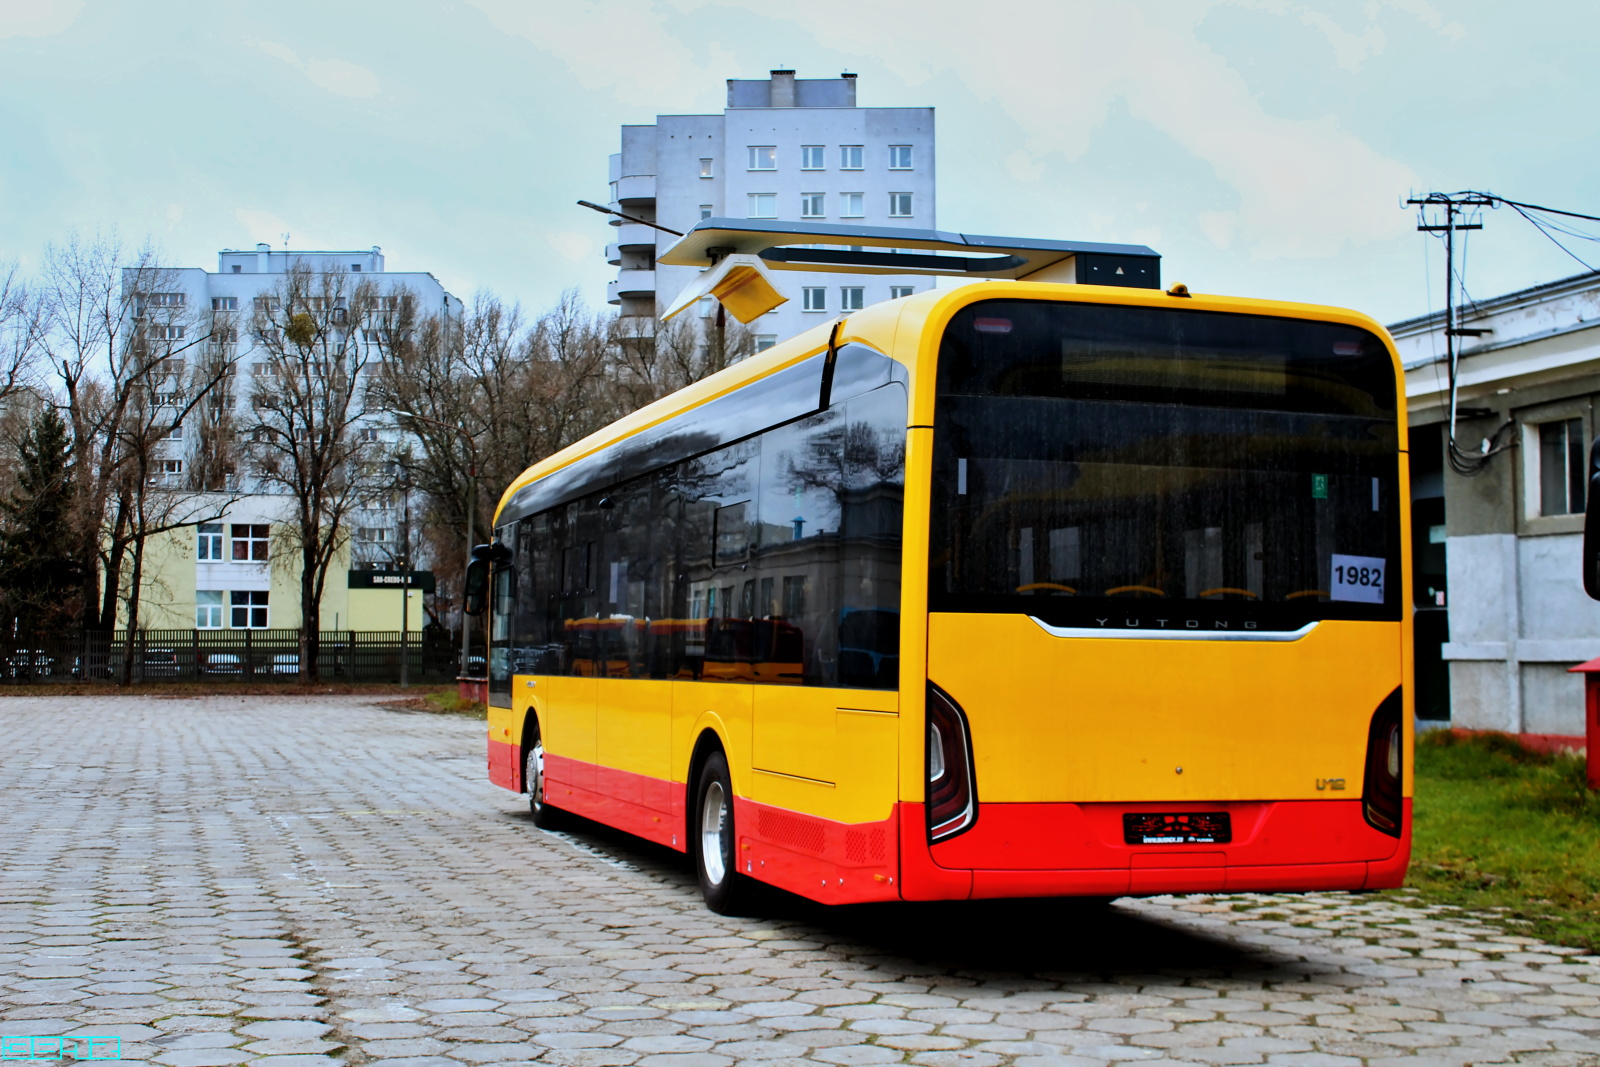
(292, 882)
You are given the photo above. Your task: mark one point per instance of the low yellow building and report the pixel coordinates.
(243, 573)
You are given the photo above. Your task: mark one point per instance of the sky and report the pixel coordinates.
(1263, 147)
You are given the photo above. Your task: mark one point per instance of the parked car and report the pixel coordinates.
(30, 663)
(285, 663)
(222, 663)
(159, 663)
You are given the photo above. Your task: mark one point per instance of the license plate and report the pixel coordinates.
(1177, 828)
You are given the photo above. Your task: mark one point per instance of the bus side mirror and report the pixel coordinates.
(1591, 526)
(477, 598)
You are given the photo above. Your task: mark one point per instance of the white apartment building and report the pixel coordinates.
(221, 575)
(784, 148)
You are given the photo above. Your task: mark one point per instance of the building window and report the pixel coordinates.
(705, 211)
(763, 157)
(811, 206)
(811, 157)
(249, 542)
(850, 298)
(763, 206)
(238, 269)
(368, 435)
(705, 168)
(850, 205)
(899, 157)
(163, 300)
(224, 303)
(849, 157)
(814, 298)
(897, 291)
(176, 433)
(376, 535)
(708, 306)
(208, 548)
(899, 205)
(249, 609)
(765, 341)
(1561, 467)
(164, 333)
(168, 472)
(355, 268)
(208, 609)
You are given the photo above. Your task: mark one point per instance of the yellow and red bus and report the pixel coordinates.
(1010, 589)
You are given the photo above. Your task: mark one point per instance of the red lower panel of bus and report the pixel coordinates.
(1015, 850)
(1049, 849)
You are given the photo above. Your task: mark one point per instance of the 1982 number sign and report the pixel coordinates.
(1357, 578)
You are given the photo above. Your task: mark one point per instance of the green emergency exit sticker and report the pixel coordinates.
(1319, 487)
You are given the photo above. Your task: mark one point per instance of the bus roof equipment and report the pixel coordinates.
(740, 253)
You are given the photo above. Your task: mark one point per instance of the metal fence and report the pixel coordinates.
(229, 656)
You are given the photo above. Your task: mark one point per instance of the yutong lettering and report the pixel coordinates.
(1189, 624)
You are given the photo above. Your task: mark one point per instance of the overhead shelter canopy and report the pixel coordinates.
(821, 246)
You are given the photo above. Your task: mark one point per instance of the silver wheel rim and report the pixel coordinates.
(533, 775)
(713, 832)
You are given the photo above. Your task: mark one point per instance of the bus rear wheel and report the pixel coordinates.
(713, 839)
(545, 817)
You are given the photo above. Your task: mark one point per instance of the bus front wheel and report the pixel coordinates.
(714, 840)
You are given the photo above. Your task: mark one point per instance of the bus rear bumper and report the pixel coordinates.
(1024, 850)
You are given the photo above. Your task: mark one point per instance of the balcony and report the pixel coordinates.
(631, 235)
(636, 283)
(635, 190)
(613, 255)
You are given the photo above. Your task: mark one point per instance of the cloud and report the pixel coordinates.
(574, 247)
(626, 47)
(335, 75)
(37, 18)
(1303, 188)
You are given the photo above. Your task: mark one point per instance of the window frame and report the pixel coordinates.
(219, 606)
(708, 167)
(845, 155)
(860, 206)
(250, 540)
(895, 202)
(753, 159)
(813, 205)
(900, 292)
(813, 157)
(751, 205)
(250, 607)
(1531, 519)
(855, 293)
(894, 149)
(814, 298)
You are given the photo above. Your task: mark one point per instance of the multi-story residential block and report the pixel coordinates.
(1500, 609)
(232, 572)
(784, 148)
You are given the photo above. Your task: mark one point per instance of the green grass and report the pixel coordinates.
(1500, 827)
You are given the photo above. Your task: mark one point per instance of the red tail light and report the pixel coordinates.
(952, 787)
(1381, 801)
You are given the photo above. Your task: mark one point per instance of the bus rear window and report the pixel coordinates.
(1099, 466)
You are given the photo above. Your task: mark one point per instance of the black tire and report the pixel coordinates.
(545, 817)
(713, 840)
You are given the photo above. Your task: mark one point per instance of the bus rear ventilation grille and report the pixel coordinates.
(793, 830)
(864, 846)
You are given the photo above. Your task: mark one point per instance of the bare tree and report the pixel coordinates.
(315, 336)
(21, 324)
(112, 327)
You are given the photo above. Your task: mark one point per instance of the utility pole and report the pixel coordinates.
(405, 584)
(1453, 207)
